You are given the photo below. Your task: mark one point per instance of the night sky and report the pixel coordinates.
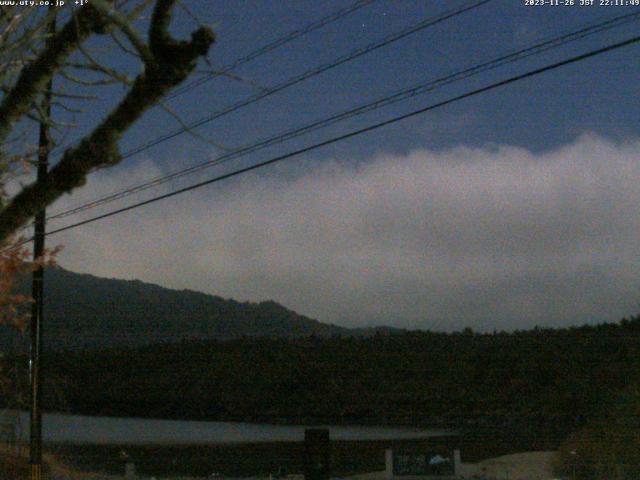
(514, 208)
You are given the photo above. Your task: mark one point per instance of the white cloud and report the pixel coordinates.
(484, 237)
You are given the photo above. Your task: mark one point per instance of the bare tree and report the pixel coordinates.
(31, 55)
(30, 58)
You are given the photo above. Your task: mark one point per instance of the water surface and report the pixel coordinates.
(62, 428)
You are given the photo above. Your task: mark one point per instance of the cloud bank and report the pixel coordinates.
(491, 238)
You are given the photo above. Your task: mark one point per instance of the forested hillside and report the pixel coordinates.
(88, 312)
(538, 377)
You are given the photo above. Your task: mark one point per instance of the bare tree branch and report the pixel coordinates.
(190, 131)
(124, 24)
(171, 61)
(122, 46)
(35, 76)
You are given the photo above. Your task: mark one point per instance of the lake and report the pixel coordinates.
(79, 429)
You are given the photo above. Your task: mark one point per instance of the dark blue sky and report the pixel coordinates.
(598, 95)
(546, 121)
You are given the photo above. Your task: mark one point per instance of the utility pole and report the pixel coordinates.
(37, 291)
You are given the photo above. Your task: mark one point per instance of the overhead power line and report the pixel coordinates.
(354, 133)
(270, 47)
(295, 34)
(358, 52)
(422, 88)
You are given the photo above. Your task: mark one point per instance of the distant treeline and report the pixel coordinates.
(541, 377)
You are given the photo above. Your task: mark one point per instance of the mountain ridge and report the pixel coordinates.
(84, 311)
